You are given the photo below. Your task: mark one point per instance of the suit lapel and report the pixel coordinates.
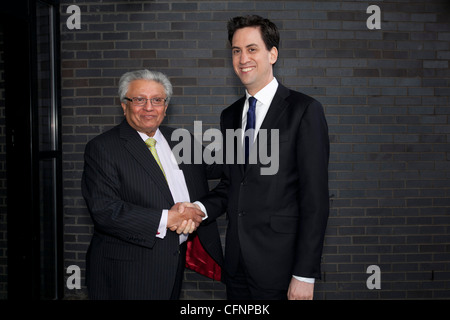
(237, 124)
(276, 109)
(137, 148)
(237, 116)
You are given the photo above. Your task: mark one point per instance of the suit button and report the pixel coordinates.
(241, 214)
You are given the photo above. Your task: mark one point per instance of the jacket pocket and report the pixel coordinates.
(118, 252)
(284, 224)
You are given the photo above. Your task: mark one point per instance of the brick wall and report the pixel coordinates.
(386, 97)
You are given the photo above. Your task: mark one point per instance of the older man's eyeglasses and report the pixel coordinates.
(138, 101)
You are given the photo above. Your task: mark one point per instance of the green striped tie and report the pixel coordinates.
(151, 142)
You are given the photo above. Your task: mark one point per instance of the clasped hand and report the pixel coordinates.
(184, 217)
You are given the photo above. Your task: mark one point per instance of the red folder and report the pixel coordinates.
(198, 260)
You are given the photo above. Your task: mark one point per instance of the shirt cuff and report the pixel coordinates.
(183, 238)
(308, 280)
(202, 207)
(162, 229)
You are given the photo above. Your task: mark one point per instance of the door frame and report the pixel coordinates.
(25, 255)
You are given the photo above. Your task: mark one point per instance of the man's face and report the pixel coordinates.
(146, 118)
(252, 62)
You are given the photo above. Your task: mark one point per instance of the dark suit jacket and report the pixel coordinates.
(125, 192)
(277, 221)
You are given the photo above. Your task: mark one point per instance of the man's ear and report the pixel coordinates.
(124, 107)
(273, 55)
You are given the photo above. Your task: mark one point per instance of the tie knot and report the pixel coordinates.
(150, 142)
(252, 102)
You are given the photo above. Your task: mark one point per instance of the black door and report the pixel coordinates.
(32, 163)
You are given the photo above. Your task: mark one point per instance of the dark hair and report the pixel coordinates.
(269, 30)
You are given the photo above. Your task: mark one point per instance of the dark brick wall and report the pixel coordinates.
(386, 97)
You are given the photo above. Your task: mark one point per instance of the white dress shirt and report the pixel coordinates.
(174, 176)
(264, 97)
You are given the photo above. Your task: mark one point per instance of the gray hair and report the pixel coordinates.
(145, 74)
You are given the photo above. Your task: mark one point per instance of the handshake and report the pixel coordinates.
(184, 217)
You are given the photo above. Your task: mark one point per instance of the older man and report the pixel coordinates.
(131, 184)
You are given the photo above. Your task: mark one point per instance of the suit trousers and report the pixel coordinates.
(176, 291)
(241, 286)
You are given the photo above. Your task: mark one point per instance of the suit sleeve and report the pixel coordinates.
(216, 200)
(101, 189)
(213, 169)
(312, 157)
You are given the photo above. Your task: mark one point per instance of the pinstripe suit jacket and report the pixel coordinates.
(125, 192)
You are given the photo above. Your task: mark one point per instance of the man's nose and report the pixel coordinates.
(243, 58)
(148, 105)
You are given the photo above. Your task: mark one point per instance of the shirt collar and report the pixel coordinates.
(266, 94)
(157, 136)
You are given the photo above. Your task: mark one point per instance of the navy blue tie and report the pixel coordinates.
(250, 125)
